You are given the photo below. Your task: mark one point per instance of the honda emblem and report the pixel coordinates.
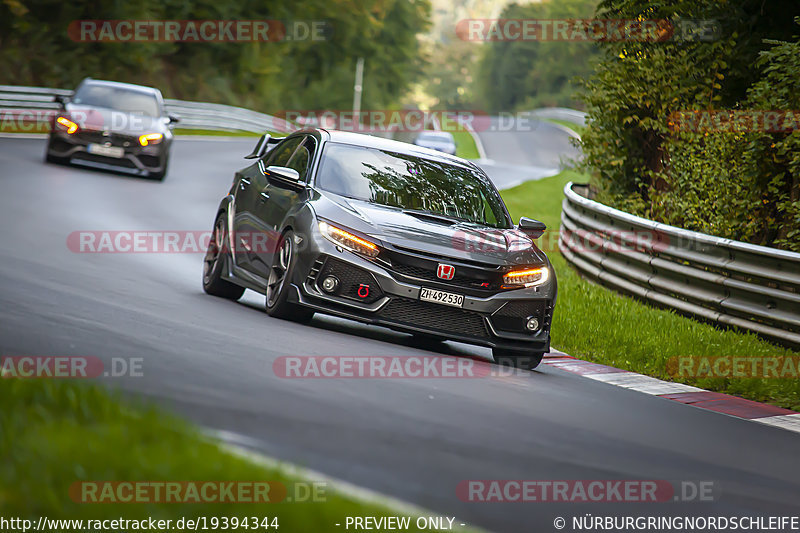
(445, 271)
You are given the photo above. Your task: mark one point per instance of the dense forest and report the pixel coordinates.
(36, 49)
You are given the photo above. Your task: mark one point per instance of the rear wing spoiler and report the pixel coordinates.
(264, 145)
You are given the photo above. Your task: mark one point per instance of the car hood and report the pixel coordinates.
(498, 247)
(103, 118)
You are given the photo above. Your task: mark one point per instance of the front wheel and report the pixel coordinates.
(214, 262)
(280, 281)
(517, 358)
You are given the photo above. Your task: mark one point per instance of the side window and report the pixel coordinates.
(280, 154)
(302, 158)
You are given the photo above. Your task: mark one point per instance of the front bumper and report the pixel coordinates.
(392, 300)
(137, 159)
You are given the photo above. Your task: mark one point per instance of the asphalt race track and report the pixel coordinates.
(520, 149)
(414, 439)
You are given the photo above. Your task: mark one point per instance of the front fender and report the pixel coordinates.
(227, 208)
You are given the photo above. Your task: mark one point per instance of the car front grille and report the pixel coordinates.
(116, 139)
(124, 162)
(474, 280)
(434, 316)
(430, 275)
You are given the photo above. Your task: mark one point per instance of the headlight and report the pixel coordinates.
(67, 124)
(528, 277)
(345, 239)
(150, 138)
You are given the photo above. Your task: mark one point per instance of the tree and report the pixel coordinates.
(525, 74)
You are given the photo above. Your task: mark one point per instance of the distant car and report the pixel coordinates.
(437, 140)
(386, 233)
(111, 125)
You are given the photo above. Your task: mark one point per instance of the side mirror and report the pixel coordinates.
(285, 173)
(61, 99)
(173, 119)
(261, 147)
(532, 228)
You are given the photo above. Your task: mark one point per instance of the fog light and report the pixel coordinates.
(329, 284)
(532, 324)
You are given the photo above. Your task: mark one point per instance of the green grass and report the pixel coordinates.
(599, 325)
(187, 131)
(54, 433)
(577, 128)
(465, 145)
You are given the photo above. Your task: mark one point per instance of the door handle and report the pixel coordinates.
(264, 197)
(243, 183)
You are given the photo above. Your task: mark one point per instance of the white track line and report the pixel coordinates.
(658, 387)
(790, 422)
(641, 383)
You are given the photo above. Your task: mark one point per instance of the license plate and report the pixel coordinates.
(108, 151)
(441, 297)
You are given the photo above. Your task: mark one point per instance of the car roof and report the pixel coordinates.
(121, 85)
(381, 143)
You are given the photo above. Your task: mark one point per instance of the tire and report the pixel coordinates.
(214, 262)
(517, 358)
(279, 283)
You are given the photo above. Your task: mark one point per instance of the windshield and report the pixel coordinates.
(120, 99)
(411, 182)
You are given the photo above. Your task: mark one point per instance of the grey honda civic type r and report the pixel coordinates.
(386, 233)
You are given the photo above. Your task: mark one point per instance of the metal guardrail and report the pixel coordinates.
(38, 101)
(720, 280)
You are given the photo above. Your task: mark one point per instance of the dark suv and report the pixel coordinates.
(115, 126)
